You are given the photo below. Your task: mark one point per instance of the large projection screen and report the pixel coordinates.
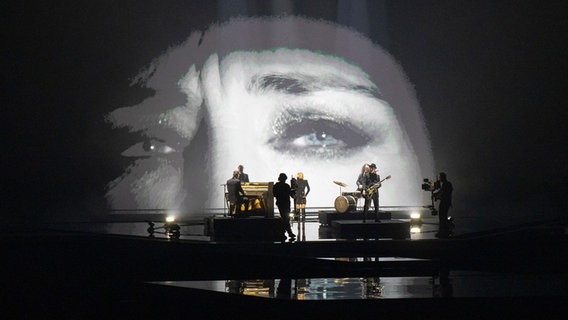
(280, 94)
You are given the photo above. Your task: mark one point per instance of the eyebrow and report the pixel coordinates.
(299, 84)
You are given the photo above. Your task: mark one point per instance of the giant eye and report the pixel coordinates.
(148, 148)
(316, 134)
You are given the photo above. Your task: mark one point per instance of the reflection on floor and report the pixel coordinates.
(441, 283)
(458, 284)
(132, 268)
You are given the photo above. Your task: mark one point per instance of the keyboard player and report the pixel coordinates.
(236, 194)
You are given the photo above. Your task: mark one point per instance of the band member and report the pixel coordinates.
(365, 169)
(236, 194)
(301, 192)
(282, 192)
(242, 175)
(443, 192)
(371, 178)
(294, 186)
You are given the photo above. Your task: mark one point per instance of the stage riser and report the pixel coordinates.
(357, 229)
(245, 229)
(327, 217)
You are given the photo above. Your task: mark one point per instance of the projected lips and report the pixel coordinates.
(319, 99)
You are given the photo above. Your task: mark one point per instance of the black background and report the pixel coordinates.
(489, 76)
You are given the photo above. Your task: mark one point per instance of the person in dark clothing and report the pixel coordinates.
(370, 179)
(294, 186)
(282, 192)
(236, 194)
(242, 175)
(443, 192)
(284, 290)
(300, 193)
(365, 170)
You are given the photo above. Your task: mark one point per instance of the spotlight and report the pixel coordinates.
(415, 222)
(415, 229)
(171, 228)
(415, 218)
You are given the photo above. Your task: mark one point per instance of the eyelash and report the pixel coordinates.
(319, 136)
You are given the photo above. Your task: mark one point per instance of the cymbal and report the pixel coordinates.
(339, 183)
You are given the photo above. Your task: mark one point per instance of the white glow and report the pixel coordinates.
(415, 215)
(170, 218)
(415, 230)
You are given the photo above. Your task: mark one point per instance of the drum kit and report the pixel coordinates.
(346, 201)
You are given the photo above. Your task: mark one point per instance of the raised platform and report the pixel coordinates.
(357, 229)
(244, 229)
(326, 217)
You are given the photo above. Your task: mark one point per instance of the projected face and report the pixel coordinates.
(281, 109)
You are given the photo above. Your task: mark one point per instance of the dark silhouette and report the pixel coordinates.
(370, 178)
(294, 186)
(236, 194)
(284, 290)
(282, 192)
(300, 193)
(365, 169)
(242, 175)
(361, 178)
(443, 192)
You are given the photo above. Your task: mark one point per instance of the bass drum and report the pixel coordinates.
(345, 204)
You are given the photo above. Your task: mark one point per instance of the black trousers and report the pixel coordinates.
(284, 210)
(240, 201)
(375, 199)
(443, 209)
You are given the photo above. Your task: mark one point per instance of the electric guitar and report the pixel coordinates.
(372, 189)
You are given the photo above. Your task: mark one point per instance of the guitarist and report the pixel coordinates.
(370, 178)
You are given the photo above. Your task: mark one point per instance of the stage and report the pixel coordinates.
(117, 267)
(352, 225)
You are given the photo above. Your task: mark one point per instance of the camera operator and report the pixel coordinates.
(442, 191)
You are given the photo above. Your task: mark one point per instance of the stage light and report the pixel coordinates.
(415, 229)
(415, 219)
(415, 222)
(170, 219)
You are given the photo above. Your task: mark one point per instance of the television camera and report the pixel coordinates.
(431, 186)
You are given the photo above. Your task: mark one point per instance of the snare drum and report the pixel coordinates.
(345, 204)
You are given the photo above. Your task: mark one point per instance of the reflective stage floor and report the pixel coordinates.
(116, 268)
(458, 284)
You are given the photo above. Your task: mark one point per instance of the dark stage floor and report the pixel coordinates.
(115, 268)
